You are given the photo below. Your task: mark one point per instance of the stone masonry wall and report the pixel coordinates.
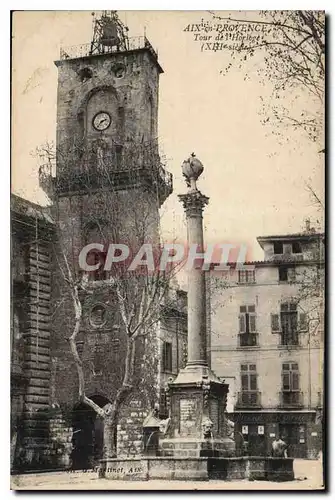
(60, 442)
(130, 428)
(37, 356)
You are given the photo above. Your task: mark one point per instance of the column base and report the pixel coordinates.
(197, 448)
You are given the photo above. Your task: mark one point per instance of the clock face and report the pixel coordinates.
(101, 121)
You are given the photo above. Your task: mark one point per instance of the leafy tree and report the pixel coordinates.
(290, 46)
(137, 295)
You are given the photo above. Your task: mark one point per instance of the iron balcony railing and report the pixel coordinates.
(87, 49)
(248, 339)
(105, 164)
(291, 399)
(247, 399)
(289, 339)
(99, 172)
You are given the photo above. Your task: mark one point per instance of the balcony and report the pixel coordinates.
(248, 399)
(289, 341)
(88, 49)
(291, 399)
(248, 340)
(117, 166)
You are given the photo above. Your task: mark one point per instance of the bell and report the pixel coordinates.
(109, 35)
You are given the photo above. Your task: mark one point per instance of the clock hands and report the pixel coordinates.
(102, 121)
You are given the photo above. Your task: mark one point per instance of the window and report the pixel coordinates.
(283, 275)
(290, 377)
(248, 378)
(296, 247)
(118, 70)
(249, 395)
(289, 323)
(275, 323)
(290, 383)
(95, 257)
(167, 357)
(278, 247)
(287, 274)
(287, 316)
(85, 74)
(246, 277)
(98, 316)
(247, 326)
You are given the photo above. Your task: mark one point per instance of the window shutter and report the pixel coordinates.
(242, 323)
(253, 382)
(286, 381)
(303, 322)
(167, 356)
(294, 322)
(295, 381)
(245, 382)
(275, 323)
(252, 323)
(163, 356)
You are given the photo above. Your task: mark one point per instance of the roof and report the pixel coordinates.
(31, 210)
(304, 235)
(269, 263)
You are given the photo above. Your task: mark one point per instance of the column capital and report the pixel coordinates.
(194, 203)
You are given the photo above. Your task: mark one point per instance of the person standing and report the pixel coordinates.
(279, 448)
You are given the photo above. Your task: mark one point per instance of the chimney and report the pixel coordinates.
(308, 225)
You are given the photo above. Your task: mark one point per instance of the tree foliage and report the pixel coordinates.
(291, 50)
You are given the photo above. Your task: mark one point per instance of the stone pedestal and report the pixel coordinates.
(198, 425)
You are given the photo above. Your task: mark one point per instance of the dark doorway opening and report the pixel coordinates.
(88, 435)
(295, 437)
(256, 443)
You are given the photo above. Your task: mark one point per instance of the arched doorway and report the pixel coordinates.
(88, 435)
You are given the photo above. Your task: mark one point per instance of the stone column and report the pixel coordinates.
(194, 203)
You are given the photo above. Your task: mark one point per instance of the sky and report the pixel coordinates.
(255, 184)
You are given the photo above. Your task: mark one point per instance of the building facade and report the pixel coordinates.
(266, 333)
(31, 255)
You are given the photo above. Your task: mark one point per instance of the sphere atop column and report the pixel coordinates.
(192, 169)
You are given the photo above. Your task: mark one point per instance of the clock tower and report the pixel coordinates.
(109, 185)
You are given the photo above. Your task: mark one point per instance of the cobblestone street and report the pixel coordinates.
(308, 474)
